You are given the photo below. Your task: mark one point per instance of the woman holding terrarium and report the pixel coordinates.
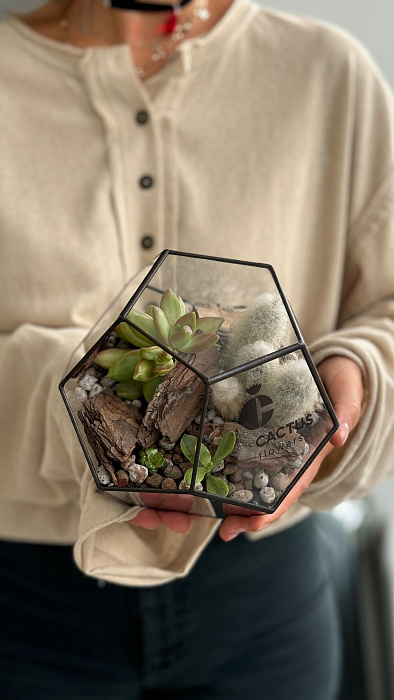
(212, 127)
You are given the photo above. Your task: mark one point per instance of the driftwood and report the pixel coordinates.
(178, 400)
(112, 424)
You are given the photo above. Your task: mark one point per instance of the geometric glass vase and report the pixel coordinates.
(197, 380)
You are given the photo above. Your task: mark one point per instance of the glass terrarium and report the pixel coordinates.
(197, 380)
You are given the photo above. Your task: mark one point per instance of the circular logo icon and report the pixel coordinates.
(257, 412)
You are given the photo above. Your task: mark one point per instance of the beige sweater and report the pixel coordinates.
(269, 139)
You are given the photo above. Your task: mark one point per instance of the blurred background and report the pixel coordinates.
(369, 523)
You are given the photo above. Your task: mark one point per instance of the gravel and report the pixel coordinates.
(267, 494)
(87, 382)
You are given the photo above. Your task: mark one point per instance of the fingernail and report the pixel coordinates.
(344, 431)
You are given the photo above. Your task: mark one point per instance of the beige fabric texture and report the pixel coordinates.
(269, 139)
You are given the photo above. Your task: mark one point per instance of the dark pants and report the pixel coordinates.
(254, 620)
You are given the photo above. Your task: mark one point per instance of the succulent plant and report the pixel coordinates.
(172, 326)
(206, 462)
(152, 459)
(139, 372)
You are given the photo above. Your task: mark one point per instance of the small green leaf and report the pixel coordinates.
(151, 353)
(198, 343)
(162, 370)
(187, 320)
(149, 310)
(172, 306)
(129, 390)
(162, 327)
(128, 333)
(201, 472)
(107, 358)
(204, 456)
(216, 486)
(144, 322)
(143, 371)
(180, 340)
(209, 324)
(149, 388)
(124, 368)
(225, 446)
(188, 447)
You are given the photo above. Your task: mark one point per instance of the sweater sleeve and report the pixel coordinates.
(365, 335)
(48, 494)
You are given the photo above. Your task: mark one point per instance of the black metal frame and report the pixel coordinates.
(208, 382)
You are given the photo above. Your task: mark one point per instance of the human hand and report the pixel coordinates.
(170, 510)
(344, 384)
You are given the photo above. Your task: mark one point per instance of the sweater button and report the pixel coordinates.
(147, 242)
(142, 117)
(146, 181)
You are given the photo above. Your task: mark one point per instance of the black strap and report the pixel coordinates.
(145, 6)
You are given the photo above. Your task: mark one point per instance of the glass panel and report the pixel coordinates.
(279, 420)
(251, 319)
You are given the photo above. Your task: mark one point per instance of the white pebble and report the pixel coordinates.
(87, 382)
(261, 479)
(268, 494)
(242, 495)
(211, 414)
(218, 420)
(218, 468)
(95, 390)
(107, 382)
(103, 476)
(184, 487)
(138, 473)
(81, 394)
(137, 403)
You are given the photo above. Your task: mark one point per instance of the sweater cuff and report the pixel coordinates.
(110, 548)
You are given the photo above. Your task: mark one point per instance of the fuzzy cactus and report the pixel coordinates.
(264, 319)
(257, 375)
(293, 391)
(229, 396)
(171, 325)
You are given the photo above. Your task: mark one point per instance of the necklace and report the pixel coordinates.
(171, 32)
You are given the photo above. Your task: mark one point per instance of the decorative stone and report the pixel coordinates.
(154, 480)
(81, 394)
(122, 477)
(231, 488)
(138, 473)
(107, 383)
(95, 390)
(267, 494)
(103, 476)
(280, 481)
(168, 484)
(248, 483)
(87, 382)
(211, 414)
(184, 466)
(136, 403)
(236, 476)
(92, 372)
(261, 479)
(217, 468)
(166, 444)
(184, 487)
(123, 345)
(173, 472)
(230, 468)
(243, 495)
(218, 420)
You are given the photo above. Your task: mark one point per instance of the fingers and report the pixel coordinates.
(174, 502)
(170, 510)
(344, 383)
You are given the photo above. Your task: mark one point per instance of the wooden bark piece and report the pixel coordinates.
(112, 423)
(229, 315)
(178, 399)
